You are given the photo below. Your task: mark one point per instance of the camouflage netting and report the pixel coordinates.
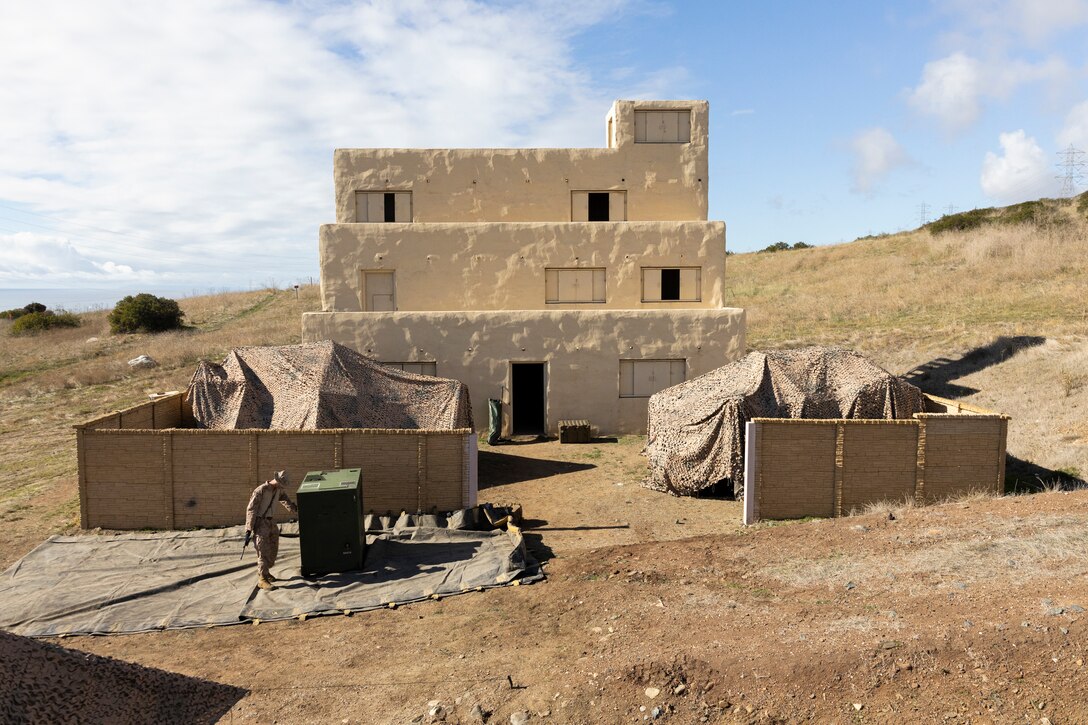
(321, 385)
(696, 429)
(44, 683)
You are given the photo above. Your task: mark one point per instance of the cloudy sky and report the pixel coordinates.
(150, 145)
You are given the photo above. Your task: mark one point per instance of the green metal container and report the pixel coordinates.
(330, 521)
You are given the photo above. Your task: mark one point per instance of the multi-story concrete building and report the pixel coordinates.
(568, 283)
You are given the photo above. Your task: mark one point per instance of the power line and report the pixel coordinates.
(1072, 161)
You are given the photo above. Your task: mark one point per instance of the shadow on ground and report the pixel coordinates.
(1026, 477)
(935, 377)
(499, 469)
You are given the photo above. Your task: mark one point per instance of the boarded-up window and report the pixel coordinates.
(580, 284)
(379, 291)
(383, 206)
(671, 284)
(420, 368)
(662, 126)
(643, 378)
(598, 206)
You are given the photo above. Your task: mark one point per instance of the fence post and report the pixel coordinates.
(752, 434)
(920, 464)
(840, 439)
(168, 475)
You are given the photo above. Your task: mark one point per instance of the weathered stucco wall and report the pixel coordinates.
(582, 348)
(135, 473)
(501, 266)
(664, 181)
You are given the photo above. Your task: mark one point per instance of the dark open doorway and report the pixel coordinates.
(527, 398)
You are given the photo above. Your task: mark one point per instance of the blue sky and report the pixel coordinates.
(152, 145)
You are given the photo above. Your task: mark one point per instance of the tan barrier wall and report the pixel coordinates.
(137, 469)
(827, 468)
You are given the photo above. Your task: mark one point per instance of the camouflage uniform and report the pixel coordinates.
(259, 520)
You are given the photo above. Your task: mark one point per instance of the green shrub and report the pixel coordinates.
(801, 245)
(145, 313)
(34, 322)
(960, 222)
(18, 312)
(1082, 203)
(785, 247)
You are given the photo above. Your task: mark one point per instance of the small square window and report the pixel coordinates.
(665, 126)
(670, 284)
(643, 378)
(383, 206)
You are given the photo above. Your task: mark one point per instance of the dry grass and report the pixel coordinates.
(51, 381)
(977, 551)
(917, 289)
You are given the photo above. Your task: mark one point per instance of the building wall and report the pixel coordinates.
(826, 468)
(502, 266)
(663, 181)
(582, 350)
(174, 478)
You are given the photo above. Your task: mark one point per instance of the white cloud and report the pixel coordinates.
(1034, 21)
(876, 153)
(950, 90)
(204, 130)
(40, 259)
(1075, 131)
(953, 88)
(1023, 171)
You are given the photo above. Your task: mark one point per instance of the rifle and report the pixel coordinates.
(249, 535)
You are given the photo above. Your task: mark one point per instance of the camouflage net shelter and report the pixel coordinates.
(695, 430)
(321, 385)
(45, 683)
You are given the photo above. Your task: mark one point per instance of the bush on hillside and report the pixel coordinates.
(145, 313)
(785, 247)
(34, 322)
(18, 312)
(1082, 203)
(960, 222)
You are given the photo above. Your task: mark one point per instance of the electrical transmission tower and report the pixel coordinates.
(950, 210)
(1072, 164)
(923, 214)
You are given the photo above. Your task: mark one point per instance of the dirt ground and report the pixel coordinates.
(965, 612)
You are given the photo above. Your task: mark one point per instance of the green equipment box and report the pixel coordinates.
(330, 521)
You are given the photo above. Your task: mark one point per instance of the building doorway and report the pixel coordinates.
(528, 398)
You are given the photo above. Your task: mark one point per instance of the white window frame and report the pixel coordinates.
(402, 205)
(675, 368)
(553, 284)
(697, 296)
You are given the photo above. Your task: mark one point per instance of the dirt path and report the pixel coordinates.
(966, 612)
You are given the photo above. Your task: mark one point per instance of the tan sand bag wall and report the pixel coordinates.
(828, 468)
(138, 470)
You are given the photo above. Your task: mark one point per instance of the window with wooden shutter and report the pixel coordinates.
(574, 284)
(598, 206)
(420, 368)
(662, 126)
(671, 284)
(643, 378)
(383, 206)
(379, 291)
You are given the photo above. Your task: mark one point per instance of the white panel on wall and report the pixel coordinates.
(579, 206)
(617, 206)
(403, 206)
(643, 378)
(689, 284)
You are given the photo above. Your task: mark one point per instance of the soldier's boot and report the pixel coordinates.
(271, 578)
(264, 584)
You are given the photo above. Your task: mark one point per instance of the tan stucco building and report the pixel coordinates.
(568, 283)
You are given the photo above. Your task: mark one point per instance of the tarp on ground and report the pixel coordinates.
(140, 582)
(45, 683)
(695, 430)
(321, 385)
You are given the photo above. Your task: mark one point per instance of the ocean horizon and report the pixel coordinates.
(88, 299)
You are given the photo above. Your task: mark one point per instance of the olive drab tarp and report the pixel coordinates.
(695, 430)
(321, 385)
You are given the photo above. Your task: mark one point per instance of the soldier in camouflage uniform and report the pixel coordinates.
(259, 521)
